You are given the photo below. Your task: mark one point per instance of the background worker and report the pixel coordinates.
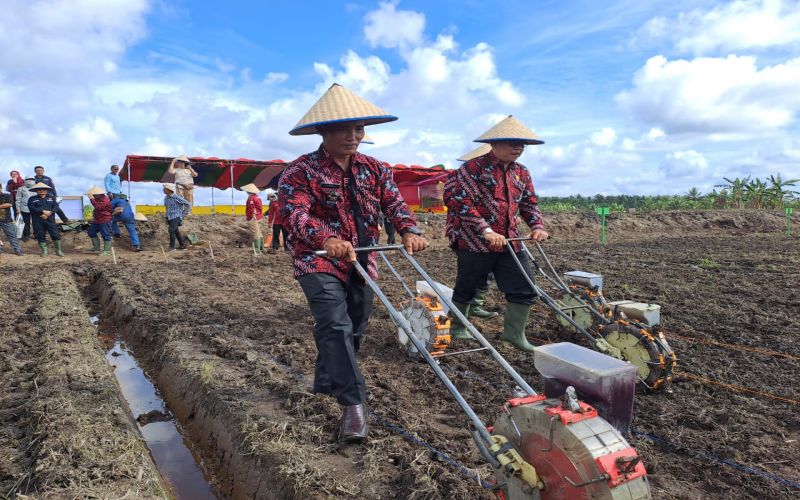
(331, 200)
(112, 182)
(275, 218)
(43, 207)
(254, 215)
(483, 198)
(177, 207)
(41, 178)
(101, 220)
(7, 225)
(121, 211)
(181, 168)
(12, 186)
(23, 195)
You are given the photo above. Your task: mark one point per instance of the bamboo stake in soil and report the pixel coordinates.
(114, 255)
(211, 250)
(163, 253)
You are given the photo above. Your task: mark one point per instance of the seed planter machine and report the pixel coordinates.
(626, 330)
(539, 447)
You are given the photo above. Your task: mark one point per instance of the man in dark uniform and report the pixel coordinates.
(40, 177)
(331, 200)
(43, 208)
(484, 198)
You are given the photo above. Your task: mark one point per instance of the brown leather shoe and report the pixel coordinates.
(354, 423)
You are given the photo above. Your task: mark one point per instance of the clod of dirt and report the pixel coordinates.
(116, 353)
(153, 416)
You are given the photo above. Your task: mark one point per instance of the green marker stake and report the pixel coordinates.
(789, 211)
(602, 212)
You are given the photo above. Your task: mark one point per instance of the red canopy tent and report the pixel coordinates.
(420, 186)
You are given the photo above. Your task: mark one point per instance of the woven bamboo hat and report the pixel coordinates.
(479, 151)
(140, 217)
(367, 140)
(250, 188)
(169, 186)
(39, 185)
(510, 129)
(339, 105)
(95, 190)
(182, 158)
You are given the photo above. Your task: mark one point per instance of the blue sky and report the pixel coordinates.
(629, 96)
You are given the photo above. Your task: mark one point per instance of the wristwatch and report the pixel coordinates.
(412, 230)
(487, 230)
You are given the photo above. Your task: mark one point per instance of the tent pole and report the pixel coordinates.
(419, 199)
(233, 211)
(129, 182)
(213, 207)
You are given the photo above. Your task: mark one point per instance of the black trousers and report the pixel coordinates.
(43, 227)
(390, 232)
(277, 229)
(175, 233)
(26, 229)
(473, 269)
(341, 312)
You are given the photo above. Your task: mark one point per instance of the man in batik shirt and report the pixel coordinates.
(331, 199)
(484, 198)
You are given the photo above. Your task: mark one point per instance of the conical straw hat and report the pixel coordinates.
(479, 151)
(367, 140)
(140, 217)
(38, 186)
(340, 105)
(169, 186)
(95, 190)
(182, 158)
(510, 129)
(250, 188)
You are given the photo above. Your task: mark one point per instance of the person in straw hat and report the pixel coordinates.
(101, 220)
(483, 198)
(181, 168)
(254, 215)
(121, 211)
(177, 207)
(331, 200)
(43, 208)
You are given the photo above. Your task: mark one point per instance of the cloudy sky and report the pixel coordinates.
(629, 96)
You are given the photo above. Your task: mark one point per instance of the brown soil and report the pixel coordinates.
(229, 344)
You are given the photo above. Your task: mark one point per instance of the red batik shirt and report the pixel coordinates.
(253, 208)
(315, 202)
(483, 194)
(102, 209)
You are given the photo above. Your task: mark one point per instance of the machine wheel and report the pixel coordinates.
(429, 323)
(652, 357)
(572, 454)
(580, 315)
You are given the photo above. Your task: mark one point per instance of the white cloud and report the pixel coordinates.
(722, 97)
(387, 27)
(605, 137)
(684, 164)
(272, 78)
(362, 75)
(731, 26)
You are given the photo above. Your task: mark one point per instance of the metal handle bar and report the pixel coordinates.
(373, 248)
(403, 323)
(546, 298)
(472, 330)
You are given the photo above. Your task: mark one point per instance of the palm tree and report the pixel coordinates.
(779, 196)
(694, 194)
(756, 191)
(736, 187)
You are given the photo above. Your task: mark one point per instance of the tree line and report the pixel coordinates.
(773, 193)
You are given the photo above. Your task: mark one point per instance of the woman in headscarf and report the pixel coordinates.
(12, 186)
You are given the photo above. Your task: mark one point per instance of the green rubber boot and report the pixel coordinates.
(458, 330)
(57, 244)
(516, 321)
(95, 245)
(477, 309)
(43, 248)
(106, 247)
(261, 245)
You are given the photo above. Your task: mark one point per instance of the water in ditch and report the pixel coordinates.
(180, 466)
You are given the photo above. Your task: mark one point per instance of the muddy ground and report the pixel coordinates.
(228, 342)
